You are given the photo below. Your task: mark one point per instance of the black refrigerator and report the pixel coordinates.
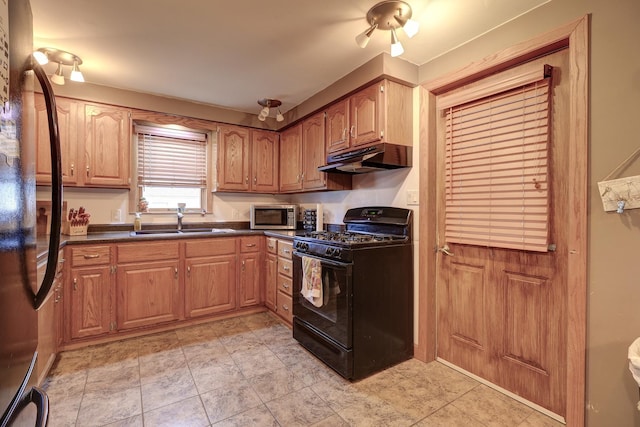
(21, 402)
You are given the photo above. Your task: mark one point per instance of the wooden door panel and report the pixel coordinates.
(233, 158)
(291, 159)
(337, 136)
(313, 152)
(148, 293)
(265, 155)
(107, 144)
(466, 302)
(365, 120)
(210, 285)
(502, 312)
(90, 302)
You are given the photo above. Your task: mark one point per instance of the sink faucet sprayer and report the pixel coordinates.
(181, 207)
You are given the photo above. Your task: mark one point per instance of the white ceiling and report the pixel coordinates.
(231, 54)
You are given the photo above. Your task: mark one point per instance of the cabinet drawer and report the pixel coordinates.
(210, 247)
(272, 245)
(90, 255)
(284, 284)
(285, 249)
(284, 306)
(285, 267)
(152, 251)
(250, 243)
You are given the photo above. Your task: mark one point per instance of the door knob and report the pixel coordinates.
(445, 250)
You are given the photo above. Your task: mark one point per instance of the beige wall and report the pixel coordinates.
(614, 240)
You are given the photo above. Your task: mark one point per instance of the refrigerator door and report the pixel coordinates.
(20, 295)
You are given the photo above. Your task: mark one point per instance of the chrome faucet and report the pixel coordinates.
(181, 207)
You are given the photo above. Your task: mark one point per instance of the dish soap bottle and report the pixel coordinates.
(137, 222)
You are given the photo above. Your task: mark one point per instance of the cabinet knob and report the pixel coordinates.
(87, 171)
(72, 169)
(189, 271)
(75, 283)
(246, 179)
(352, 132)
(344, 134)
(175, 270)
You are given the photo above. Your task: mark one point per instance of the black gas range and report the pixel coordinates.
(360, 318)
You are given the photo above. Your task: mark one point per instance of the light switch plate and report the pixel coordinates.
(412, 197)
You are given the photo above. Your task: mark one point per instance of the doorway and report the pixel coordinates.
(557, 291)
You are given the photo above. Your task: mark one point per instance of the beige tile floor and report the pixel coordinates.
(248, 371)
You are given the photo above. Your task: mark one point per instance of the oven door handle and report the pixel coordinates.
(324, 260)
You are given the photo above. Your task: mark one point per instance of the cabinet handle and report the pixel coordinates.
(91, 256)
(242, 265)
(72, 167)
(285, 307)
(251, 245)
(176, 273)
(302, 177)
(75, 283)
(255, 179)
(285, 268)
(189, 271)
(246, 179)
(286, 251)
(271, 246)
(352, 132)
(344, 134)
(298, 178)
(285, 286)
(87, 171)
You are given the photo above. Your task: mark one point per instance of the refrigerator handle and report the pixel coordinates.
(56, 186)
(38, 397)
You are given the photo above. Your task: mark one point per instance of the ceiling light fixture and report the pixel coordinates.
(389, 15)
(45, 55)
(267, 104)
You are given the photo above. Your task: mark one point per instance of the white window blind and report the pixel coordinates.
(171, 158)
(497, 169)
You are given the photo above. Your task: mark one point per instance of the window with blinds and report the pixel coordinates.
(497, 165)
(172, 168)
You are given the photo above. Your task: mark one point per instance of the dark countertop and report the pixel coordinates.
(125, 236)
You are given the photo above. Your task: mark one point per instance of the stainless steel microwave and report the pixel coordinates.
(274, 217)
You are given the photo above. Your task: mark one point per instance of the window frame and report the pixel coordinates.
(206, 193)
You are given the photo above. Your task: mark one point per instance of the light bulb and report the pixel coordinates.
(363, 38)
(58, 78)
(76, 74)
(41, 57)
(396, 46)
(279, 116)
(411, 28)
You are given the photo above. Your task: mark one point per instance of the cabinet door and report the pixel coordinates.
(147, 294)
(233, 159)
(249, 283)
(265, 155)
(210, 285)
(313, 152)
(90, 302)
(365, 115)
(107, 145)
(337, 136)
(271, 281)
(68, 121)
(291, 159)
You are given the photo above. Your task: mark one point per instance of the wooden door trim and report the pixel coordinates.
(575, 37)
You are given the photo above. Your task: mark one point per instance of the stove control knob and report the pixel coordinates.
(337, 253)
(329, 251)
(305, 246)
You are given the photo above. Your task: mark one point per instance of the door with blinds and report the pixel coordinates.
(501, 291)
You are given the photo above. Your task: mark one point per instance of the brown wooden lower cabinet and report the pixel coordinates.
(122, 287)
(147, 294)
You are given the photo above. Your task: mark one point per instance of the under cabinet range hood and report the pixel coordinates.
(377, 157)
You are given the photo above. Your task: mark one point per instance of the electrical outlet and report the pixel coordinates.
(116, 215)
(412, 197)
(235, 214)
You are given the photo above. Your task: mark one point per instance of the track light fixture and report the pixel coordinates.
(45, 55)
(389, 15)
(267, 104)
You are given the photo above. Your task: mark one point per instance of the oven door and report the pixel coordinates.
(333, 316)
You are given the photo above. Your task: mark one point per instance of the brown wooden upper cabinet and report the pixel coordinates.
(95, 143)
(302, 151)
(381, 112)
(247, 160)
